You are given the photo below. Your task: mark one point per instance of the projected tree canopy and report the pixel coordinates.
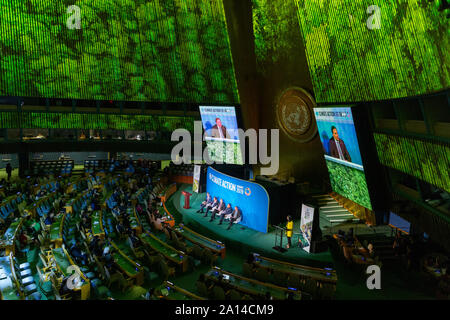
(276, 31)
(139, 50)
(424, 160)
(396, 49)
(55, 120)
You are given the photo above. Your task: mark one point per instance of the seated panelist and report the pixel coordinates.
(226, 213)
(218, 209)
(212, 206)
(237, 213)
(207, 201)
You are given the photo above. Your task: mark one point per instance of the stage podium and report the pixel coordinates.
(187, 196)
(279, 233)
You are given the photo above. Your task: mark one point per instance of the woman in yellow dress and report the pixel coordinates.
(289, 230)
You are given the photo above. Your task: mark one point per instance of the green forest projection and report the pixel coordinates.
(274, 28)
(54, 120)
(424, 160)
(349, 183)
(348, 62)
(225, 152)
(134, 50)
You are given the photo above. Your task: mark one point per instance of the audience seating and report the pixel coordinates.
(202, 289)
(262, 275)
(218, 293)
(234, 295)
(56, 167)
(247, 270)
(10, 205)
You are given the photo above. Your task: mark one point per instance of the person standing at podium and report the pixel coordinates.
(207, 201)
(289, 230)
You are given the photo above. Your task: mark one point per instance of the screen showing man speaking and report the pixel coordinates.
(221, 134)
(342, 155)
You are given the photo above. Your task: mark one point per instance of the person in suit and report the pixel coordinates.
(219, 131)
(207, 201)
(227, 212)
(211, 206)
(337, 146)
(219, 208)
(234, 216)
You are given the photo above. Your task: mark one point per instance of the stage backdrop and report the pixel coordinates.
(250, 197)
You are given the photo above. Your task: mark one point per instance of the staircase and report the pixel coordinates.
(331, 212)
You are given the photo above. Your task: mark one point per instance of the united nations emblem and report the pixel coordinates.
(295, 115)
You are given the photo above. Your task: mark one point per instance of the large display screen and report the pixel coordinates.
(360, 50)
(342, 155)
(221, 134)
(251, 198)
(158, 51)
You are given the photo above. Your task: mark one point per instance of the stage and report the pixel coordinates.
(240, 238)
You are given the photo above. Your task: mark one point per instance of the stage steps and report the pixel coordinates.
(331, 212)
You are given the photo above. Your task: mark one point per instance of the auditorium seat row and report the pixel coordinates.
(317, 289)
(44, 205)
(91, 166)
(7, 207)
(57, 167)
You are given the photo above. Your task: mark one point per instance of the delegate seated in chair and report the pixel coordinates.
(211, 206)
(49, 220)
(134, 240)
(208, 201)
(96, 246)
(86, 223)
(78, 254)
(151, 295)
(225, 213)
(120, 228)
(116, 212)
(236, 217)
(108, 259)
(24, 239)
(221, 207)
(64, 289)
(157, 222)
